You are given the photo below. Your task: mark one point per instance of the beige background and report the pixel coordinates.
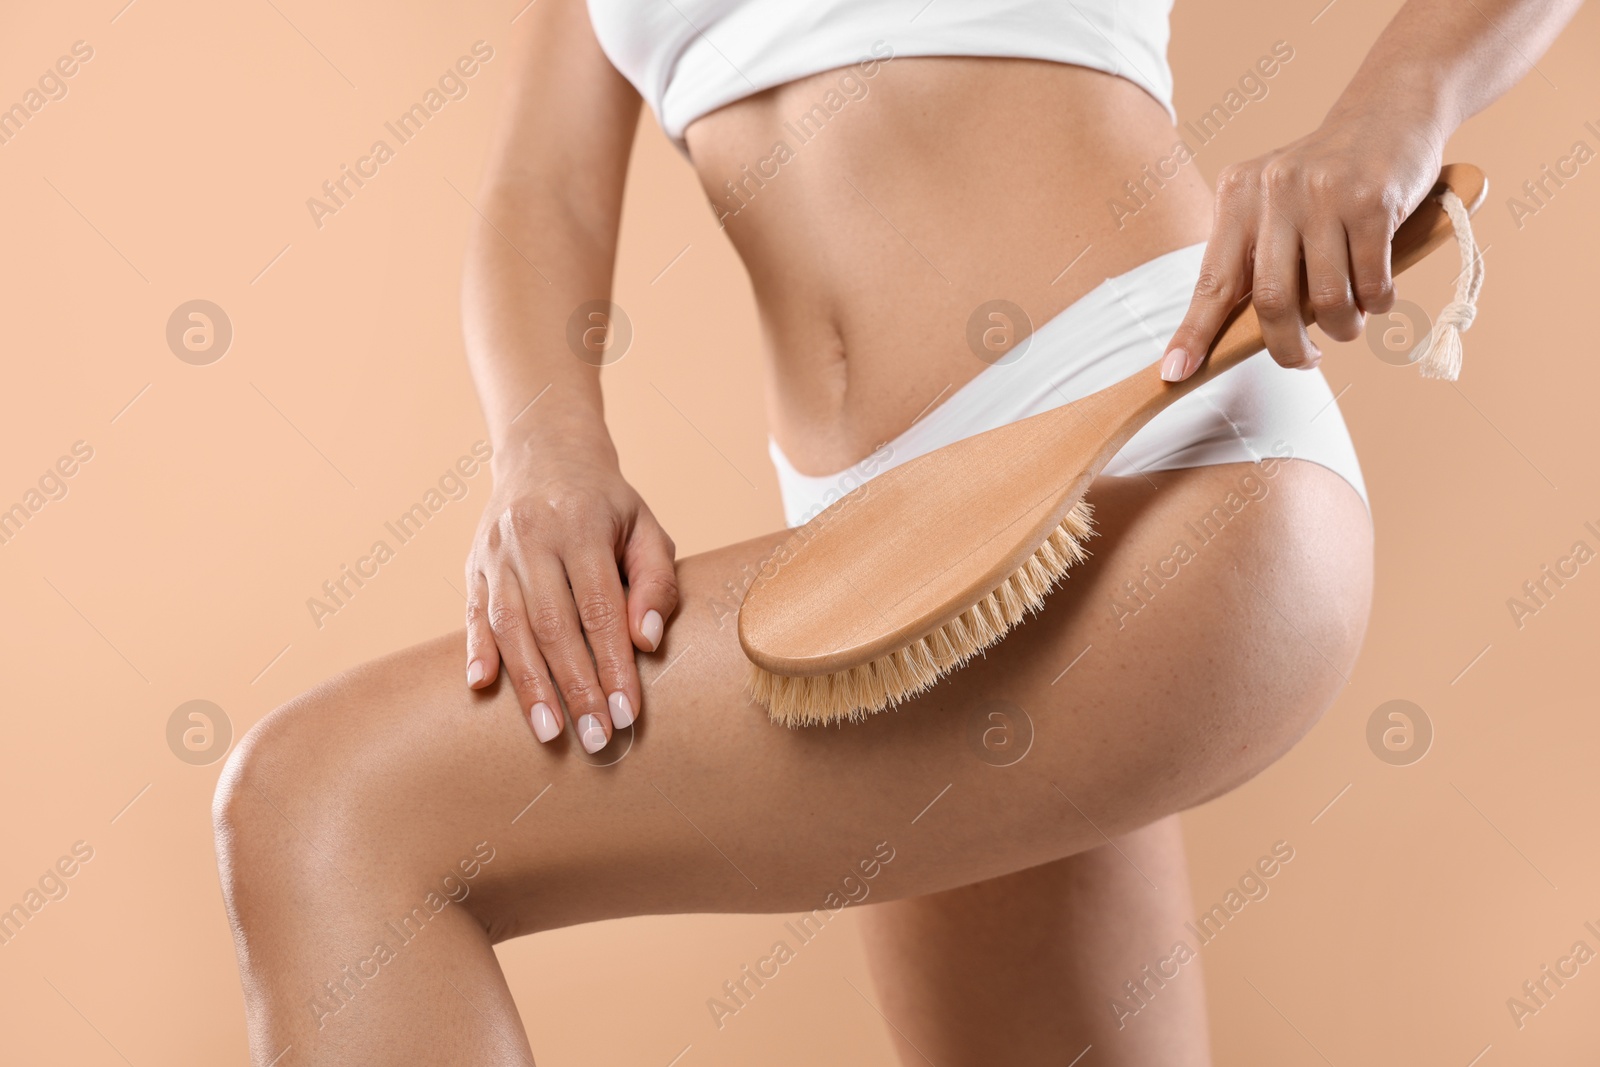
(220, 497)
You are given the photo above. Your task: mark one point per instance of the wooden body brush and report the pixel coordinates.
(906, 578)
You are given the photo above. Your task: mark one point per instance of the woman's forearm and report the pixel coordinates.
(570, 575)
(1445, 60)
(529, 267)
(544, 239)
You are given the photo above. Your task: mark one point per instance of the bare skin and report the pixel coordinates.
(1042, 953)
(951, 181)
(342, 810)
(877, 329)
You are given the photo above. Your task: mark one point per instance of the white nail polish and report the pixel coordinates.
(1172, 367)
(651, 627)
(475, 672)
(621, 710)
(591, 733)
(545, 724)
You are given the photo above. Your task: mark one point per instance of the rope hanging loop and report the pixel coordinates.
(1439, 355)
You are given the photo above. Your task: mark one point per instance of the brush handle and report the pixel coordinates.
(1145, 394)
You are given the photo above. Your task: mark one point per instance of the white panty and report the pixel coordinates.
(1256, 410)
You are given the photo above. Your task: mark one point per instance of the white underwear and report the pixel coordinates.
(1256, 410)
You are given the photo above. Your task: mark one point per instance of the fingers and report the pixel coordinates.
(1328, 285)
(526, 669)
(548, 610)
(553, 618)
(648, 559)
(483, 657)
(1224, 278)
(1370, 276)
(597, 592)
(1311, 203)
(1276, 293)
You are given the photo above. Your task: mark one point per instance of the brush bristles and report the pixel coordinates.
(854, 694)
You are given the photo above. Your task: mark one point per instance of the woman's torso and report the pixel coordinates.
(875, 229)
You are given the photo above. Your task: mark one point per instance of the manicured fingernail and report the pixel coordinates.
(545, 724)
(650, 626)
(591, 733)
(475, 672)
(621, 710)
(1173, 366)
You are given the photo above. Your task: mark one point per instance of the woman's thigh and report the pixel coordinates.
(1216, 620)
(1027, 969)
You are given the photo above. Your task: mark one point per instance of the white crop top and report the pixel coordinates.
(689, 57)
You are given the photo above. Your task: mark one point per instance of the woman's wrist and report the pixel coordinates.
(1417, 97)
(1409, 116)
(552, 437)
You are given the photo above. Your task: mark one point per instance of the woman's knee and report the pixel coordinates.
(369, 780)
(282, 811)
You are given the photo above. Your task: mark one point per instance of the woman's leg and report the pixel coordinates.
(1024, 969)
(380, 833)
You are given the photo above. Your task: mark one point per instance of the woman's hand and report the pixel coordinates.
(1330, 201)
(556, 542)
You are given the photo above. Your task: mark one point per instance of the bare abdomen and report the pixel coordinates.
(875, 214)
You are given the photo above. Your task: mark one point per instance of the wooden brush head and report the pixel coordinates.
(913, 548)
